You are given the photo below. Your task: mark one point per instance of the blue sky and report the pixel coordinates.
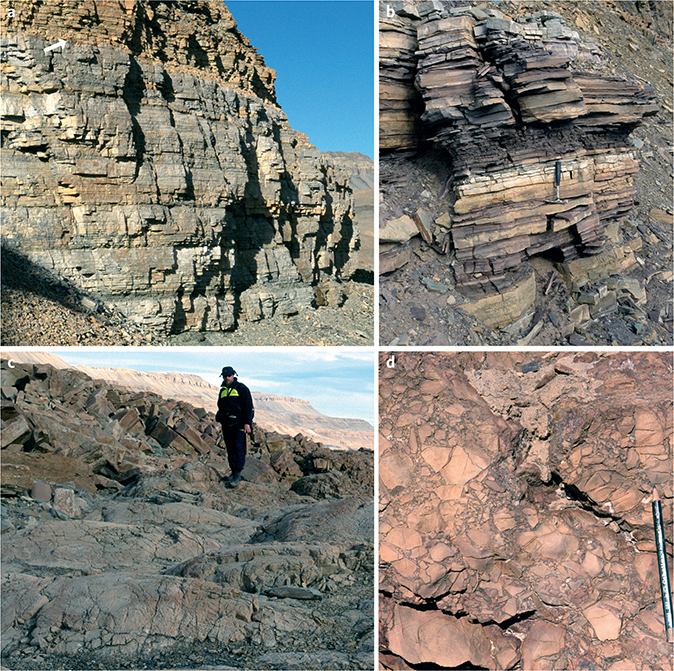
(323, 54)
(339, 382)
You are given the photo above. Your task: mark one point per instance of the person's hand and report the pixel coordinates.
(246, 428)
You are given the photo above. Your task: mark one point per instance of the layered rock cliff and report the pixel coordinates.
(537, 139)
(535, 156)
(148, 163)
(515, 509)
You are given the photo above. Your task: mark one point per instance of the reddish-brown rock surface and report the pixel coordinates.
(515, 509)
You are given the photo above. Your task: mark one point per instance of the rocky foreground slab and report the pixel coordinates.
(123, 548)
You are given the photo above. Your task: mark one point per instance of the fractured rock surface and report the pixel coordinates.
(148, 163)
(123, 547)
(515, 515)
(513, 103)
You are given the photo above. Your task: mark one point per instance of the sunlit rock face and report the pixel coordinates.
(148, 162)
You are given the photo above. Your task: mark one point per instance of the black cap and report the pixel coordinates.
(227, 371)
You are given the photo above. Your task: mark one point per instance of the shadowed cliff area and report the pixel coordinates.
(39, 307)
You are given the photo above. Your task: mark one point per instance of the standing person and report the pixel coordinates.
(235, 414)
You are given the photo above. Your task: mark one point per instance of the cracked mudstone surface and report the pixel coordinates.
(515, 509)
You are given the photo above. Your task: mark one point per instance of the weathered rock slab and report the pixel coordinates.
(121, 614)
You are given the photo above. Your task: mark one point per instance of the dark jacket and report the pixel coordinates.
(235, 406)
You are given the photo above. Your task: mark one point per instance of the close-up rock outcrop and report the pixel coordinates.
(515, 509)
(147, 163)
(122, 547)
(528, 134)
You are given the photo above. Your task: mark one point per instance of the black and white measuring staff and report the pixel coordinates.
(662, 565)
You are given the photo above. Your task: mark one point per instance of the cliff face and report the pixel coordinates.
(360, 166)
(536, 134)
(147, 162)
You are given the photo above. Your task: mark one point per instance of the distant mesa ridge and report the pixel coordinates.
(285, 399)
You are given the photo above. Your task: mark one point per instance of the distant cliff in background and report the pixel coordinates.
(361, 168)
(282, 414)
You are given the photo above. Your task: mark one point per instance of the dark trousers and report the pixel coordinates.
(235, 440)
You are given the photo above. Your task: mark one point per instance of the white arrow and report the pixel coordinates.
(60, 43)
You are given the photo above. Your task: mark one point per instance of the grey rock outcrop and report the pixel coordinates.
(122, 545)
(122, 614)
(534, 130)
(148, 163)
